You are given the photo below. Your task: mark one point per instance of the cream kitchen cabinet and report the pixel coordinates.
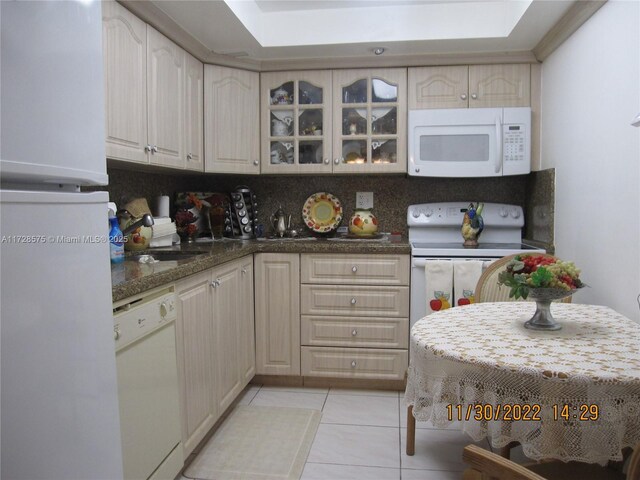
(354, 321)
(233, 331)
(194, 107)
(145, 92)
(165, 100)
(470, 86)
(232, 129)
(369, 118)
(277, 301)
(124, 44)
(215, 337)
(296, 122)
(246, 333)
(196, 358)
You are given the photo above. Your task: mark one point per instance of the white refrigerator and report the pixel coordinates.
(59, 399)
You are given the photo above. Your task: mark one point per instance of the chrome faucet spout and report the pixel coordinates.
(146, 221)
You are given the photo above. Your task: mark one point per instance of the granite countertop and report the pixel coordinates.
(132, 278)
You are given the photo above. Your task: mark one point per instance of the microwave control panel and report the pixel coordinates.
(514, 143)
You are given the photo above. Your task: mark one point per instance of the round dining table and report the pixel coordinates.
(571, 395)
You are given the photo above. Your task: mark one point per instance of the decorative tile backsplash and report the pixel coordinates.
(540, 206)
(391, 194)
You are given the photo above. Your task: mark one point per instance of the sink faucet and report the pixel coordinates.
(146, 220)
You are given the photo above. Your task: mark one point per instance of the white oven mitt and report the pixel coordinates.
(438, 277)
(466, 274)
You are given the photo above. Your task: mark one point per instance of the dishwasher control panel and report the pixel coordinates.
(142, 315)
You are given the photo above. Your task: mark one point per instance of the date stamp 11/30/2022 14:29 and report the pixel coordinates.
(522, 412)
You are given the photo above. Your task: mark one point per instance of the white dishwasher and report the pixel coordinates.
(145, 337)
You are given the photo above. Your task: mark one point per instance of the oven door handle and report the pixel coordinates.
(421, 262)
(418, 262)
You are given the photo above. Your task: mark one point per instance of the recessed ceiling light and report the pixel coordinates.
(378, 51)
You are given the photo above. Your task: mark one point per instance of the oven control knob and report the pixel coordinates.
(428, 212)
(515, 213)
(415, 213)
(503, 212)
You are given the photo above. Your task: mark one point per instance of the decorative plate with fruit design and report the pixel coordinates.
(322, 212)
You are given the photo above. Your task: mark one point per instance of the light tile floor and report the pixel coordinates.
(362, 435)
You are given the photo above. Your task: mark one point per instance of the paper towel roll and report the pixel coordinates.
(161, 206)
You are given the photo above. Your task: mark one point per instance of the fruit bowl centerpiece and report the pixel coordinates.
(544, 278)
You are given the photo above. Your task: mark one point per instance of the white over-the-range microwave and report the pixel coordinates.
(470, 142)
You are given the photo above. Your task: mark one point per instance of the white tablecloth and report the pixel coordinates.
(481, 354)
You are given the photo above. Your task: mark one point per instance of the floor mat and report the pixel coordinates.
(257, 443)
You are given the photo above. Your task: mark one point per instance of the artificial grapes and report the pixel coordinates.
(564, 275)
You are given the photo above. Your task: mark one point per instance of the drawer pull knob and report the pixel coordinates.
(353, 301)
(354, 269)
(353, 364)
(354, 332)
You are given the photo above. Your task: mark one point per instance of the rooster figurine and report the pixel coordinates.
(472, 225)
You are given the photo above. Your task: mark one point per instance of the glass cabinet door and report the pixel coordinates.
(369, 116)
(297, 121)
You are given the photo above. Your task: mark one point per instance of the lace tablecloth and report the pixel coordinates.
(573, 394)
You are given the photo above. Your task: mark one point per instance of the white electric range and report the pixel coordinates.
(434, 234)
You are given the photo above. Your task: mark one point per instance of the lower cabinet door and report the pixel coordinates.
(227, 333)
(247, 339)
(366, 363)
(196, 361)
(277, 287)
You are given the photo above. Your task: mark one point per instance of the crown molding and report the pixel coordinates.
(398, 61)
(573, 19)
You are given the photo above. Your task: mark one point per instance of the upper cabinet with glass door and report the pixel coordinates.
(296, 122)
(369, 115)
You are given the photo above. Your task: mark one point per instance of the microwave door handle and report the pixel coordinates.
(498, 159)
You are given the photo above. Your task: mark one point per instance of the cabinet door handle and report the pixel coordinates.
(215, 283)
(474, 96)
(326, 161)
(147, 149)
(336, 161)
(256, 163)
(354, 269)
(353, 301)
(353, 364)
(116, 333)
(354, 332)
(244, 271)
(189, 156)
(154, 149)
(463, 96)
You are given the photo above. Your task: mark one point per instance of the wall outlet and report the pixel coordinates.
(364, 199)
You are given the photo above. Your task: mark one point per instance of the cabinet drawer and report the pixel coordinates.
(354, 363)
(370, 301)
(355, 269)
(355, 332)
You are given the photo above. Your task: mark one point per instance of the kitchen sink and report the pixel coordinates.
(163, 257)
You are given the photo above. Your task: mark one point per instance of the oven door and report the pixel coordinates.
(418, 307)
(455, 142)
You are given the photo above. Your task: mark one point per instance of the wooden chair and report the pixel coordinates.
(485, 465)
(488, 289)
